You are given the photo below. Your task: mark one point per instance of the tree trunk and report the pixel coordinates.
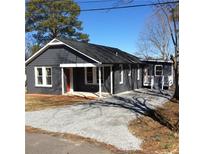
(176, 92)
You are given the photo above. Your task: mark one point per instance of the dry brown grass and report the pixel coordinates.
(36, 102)
(158, 138)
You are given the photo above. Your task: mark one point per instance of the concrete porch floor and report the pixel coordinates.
(87, 94)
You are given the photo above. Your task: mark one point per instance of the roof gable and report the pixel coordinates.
(97, 53)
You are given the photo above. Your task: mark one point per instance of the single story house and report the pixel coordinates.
(157, 73)
(63, 66)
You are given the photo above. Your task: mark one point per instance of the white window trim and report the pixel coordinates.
(43, 76)
(94, 76)
(155, 70)
(121, 74)
(138, 74)
(130, 70)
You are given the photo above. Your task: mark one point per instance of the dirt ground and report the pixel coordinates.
(36, 102)
(158, 138)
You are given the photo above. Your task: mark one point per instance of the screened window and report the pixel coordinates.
(158, 70)
(89, 75)
(43, 76)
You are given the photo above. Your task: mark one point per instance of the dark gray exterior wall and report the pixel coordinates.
(129, 82)
(56, 55)
(56, 81)
(52, 57)
(167, 71)
(167, 67)
(79, 81)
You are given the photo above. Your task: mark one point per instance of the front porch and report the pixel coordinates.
(91, 95)
(87, 79)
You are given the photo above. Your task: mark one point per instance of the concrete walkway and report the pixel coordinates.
(105, 120)
(45, 144)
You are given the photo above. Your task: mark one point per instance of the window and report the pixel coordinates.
(89, 75)
(102, 75)
(92, 75)
(43, 76)
(158, 70)
(48, 76)
(39, 76)
(121, 74)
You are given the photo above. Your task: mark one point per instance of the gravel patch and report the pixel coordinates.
(106, 120)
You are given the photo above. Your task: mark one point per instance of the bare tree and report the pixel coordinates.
(163, 37)
(171, 12)
(154, 40)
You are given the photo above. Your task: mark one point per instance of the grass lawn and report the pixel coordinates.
(158, 138)
(36, 102)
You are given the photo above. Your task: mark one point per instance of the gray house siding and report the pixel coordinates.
(56, 81)
(79, 81)
(126, 85)
(56, 55)
(167, 68)
(52, 57)
(167, 71)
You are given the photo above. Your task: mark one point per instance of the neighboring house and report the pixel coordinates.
(63, 66)
(157, 73)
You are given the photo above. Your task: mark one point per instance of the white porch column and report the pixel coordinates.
(100, 88)
(111, 80)
(62, 80)
(162, 82)
(152, 82)
(71, 79)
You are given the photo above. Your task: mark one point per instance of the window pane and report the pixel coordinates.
(48, 80)
(89, 75)
(158, 70)
(39, 71)
(40, 80)
(158, 73)
(48, 71)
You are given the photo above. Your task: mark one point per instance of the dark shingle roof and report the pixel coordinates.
(102, 53)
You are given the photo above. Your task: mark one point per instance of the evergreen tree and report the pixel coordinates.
(47, 19)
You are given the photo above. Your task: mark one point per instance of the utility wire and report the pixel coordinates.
(89, 1)
(123, 7)
(97, 1)
(130, 6)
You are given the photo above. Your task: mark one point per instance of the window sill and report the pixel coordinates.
(46, 86)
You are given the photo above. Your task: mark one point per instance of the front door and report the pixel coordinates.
(67, 73)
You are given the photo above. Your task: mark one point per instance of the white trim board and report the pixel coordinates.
(53, 43)
(85, 65)
(79, 65)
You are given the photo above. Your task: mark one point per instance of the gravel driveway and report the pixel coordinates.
(105, 120)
